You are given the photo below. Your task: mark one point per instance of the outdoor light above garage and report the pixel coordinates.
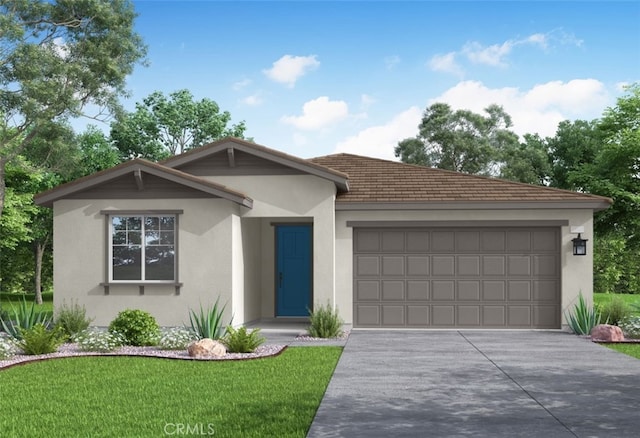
(579, 246)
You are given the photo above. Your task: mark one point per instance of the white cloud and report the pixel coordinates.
(366, 101)
(288, 69)
(446, 63)
(253, 100)
(493, 55)
(391, 61)
(239, 85)
(538, 110)
(380, 141)
(319, 113)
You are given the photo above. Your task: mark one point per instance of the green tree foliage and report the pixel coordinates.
(460, 140)
(162, 126)
(527, 162)
(55, 59)
(95, 151)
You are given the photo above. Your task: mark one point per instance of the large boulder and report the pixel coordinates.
(206, 348)
(607, 333)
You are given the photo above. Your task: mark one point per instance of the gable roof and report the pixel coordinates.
(229, 144)
(136, 168)
(380, 184)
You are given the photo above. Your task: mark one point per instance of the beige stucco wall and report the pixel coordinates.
(577, 272)
(207, 230)
(288, 199)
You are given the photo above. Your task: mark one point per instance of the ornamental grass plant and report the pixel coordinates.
(583, 318)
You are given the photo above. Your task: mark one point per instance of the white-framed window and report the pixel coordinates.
(142, 247)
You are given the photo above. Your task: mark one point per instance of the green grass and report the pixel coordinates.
(632, 350)
(129, 396)
(9, 301)
(630, 299)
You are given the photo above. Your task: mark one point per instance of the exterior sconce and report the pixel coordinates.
(579, 246)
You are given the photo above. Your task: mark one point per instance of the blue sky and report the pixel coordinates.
(315, 78)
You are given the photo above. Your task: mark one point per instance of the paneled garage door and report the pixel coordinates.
(457, 278)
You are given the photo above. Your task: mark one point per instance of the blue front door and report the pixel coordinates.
(293, 270)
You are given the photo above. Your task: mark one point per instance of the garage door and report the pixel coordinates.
(457, 278)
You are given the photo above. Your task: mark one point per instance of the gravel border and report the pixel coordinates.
(73, 350)
(306, 338)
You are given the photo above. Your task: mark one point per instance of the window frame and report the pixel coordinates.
(143, 214)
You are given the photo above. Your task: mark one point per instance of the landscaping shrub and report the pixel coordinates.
(23, 317)
(583, 318)
(98, 340)
(241, 341)
(325, 322)
(7, 347)
(207, 323)
(176, 338)
(72, 319)
(630, 326)
(615, 311)
(39, 340)
(137, 327)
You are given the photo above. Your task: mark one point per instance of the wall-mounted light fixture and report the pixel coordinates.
(579, 246)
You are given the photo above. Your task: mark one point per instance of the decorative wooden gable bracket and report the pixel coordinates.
(231, 156)
(137, 174)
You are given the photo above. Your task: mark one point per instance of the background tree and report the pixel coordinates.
(55, 59)
(528, 162)
(162, 126)
(460, 140)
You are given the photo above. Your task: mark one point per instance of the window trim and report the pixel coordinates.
(109, 281)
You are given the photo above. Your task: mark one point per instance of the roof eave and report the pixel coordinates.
(595, 205)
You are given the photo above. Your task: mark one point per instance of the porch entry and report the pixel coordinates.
(294, 270)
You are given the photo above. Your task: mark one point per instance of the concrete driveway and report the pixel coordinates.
(480, 384)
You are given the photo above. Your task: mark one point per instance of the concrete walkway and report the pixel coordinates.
(479, 384)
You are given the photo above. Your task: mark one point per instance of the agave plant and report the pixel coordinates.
(23, 318)
(583, 318)
(207, 323)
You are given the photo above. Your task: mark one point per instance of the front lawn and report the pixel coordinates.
(132, 396)
(631, 300)
(632, 350)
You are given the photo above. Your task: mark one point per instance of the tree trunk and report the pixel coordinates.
(39, 247)
(3, 185)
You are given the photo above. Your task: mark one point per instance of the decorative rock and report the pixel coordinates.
(205, 348)
(608, 333)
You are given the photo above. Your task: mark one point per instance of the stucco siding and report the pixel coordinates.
(576, 271)
(205, 239)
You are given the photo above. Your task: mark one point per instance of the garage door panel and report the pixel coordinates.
(393, 241)
(443, 316)
(468, 265)
(367, 241)
(467, 241)
(392, 290)
(518, 266)
(494, 290)
(545, 290)
(443, 290)
(417, 241)
(494, 265)
(494, 241)
(418, 316)
(367, 266)
(469, 290)
(443, 241)
(469, 316)
(443, 266)
(519, 291)
(393, 266)
(393, 316)
(367, 315)
(545, 265)
(546, 316)
(494, 316)
(484, 277)
(367, 290)
(519, 316)
(417, 290)
(518, 241)
(417, 266)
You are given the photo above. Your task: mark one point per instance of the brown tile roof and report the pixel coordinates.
(380, 181)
